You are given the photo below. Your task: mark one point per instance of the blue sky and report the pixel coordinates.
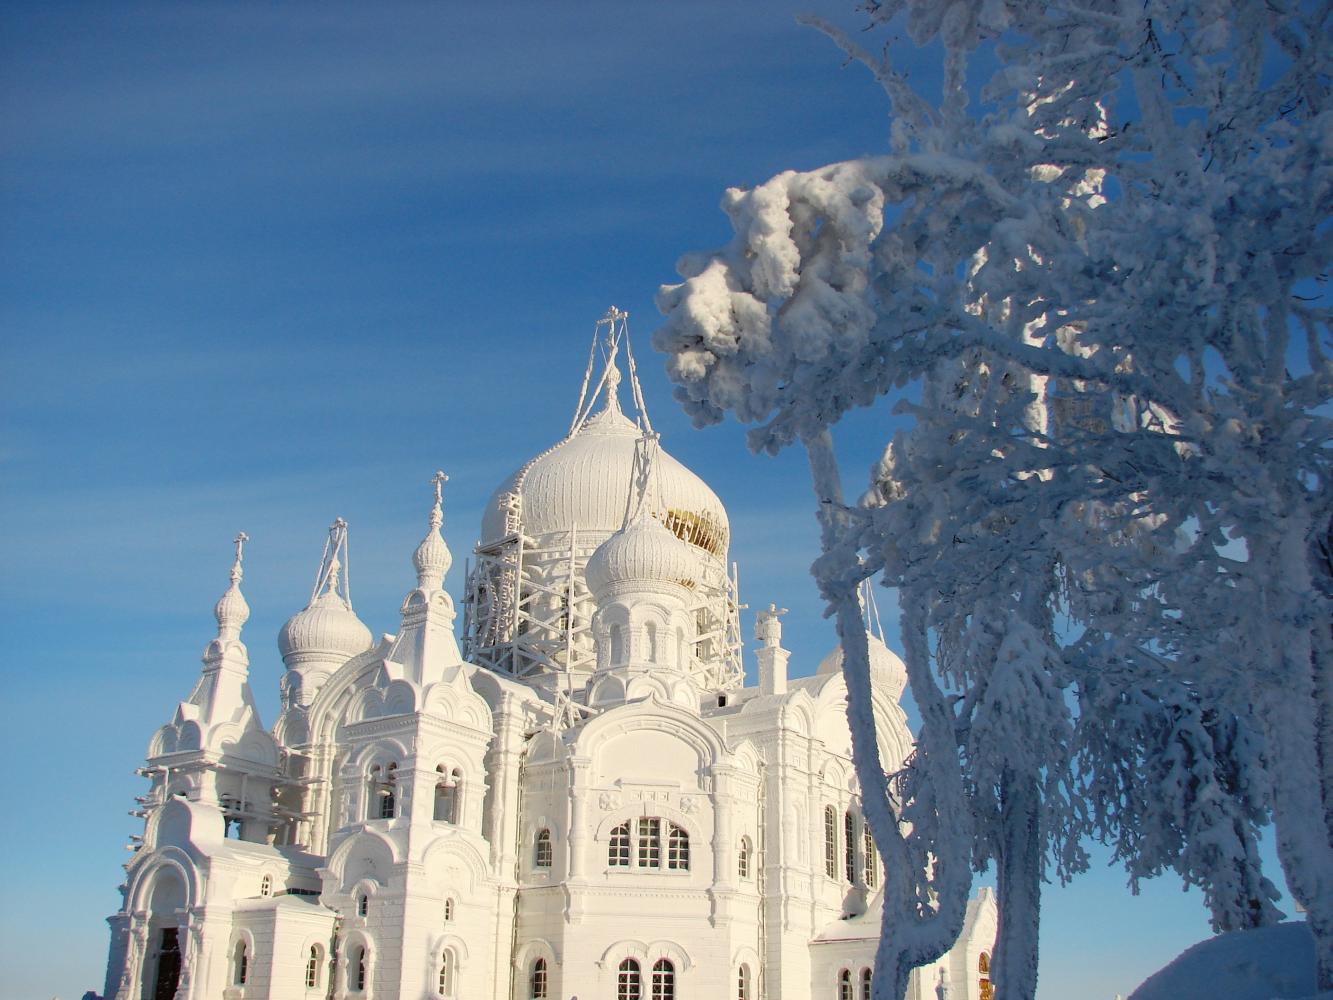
(266, 265)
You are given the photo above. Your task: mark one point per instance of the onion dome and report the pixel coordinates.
(432, 558)
(231, 610)
(580, 483)
(644, 551)
(327, 626)
(885, 667)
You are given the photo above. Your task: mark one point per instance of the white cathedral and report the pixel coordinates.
(585, 801)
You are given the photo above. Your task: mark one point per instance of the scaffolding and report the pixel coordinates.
(527, 611)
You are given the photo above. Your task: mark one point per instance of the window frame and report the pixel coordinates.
(663, 980)
(618, 849)
(538, 980)
(543, 850)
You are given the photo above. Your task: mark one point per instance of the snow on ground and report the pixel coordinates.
(1272, 963)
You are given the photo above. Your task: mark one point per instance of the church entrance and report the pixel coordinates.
(168, 965)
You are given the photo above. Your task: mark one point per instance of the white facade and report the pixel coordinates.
(596, 808)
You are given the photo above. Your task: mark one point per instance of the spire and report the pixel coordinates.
(616, 322)
(645, 498)
(432, 558)
(333, 577)
(612, 404)
(232, 611)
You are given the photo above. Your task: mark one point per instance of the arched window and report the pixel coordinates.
(447, 973)
(743, 859)
(538, 979)
(266, 886)
(650, 842)
(651, 632)
(743, 983)
(312, 968)
(985, 989)
(617, 644)
(542, 853)
(448, 910)
(678, 849)
(869, 867)
(830, 842)
(849, 846)
(865, 984)
(845, 985)
(358, 968)
(362, 905)
(664, 980)
(629, 982)
(240, 965)
(617, 852)
(446, 797)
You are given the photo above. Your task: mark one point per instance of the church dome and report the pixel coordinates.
(885, 666)
(581, 483)
(326, 627)
(645, 551)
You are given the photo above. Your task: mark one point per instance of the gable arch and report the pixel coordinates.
(368, 853)
(530, 951)
(167, 864)
(652, 717)
(646, 952)
(631, 811)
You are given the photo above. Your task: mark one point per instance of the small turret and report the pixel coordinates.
(772, 657)
(642, 579)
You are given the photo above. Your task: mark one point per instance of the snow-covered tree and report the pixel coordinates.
(1171, 321)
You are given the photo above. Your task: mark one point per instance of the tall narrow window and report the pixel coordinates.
(849, 846)
(362, 905)
(629, 981)
(168, 965)
(446, 973)
(446, 796)
(448, 910)
(664, 980)
(870, 869)
(312, 968)
(266, 886)
(845, 985)
(830, 842)
(650, 842)
(651, 632)
(543, 854)
(678, 849)
(617, 644)
(359, 970)
(743, 983)
(241, 970)
(743, 859)
(538, 979)
(865, 984)
(389, 796)
(617, 852)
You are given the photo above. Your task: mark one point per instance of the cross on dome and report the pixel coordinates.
(232, 611)
(432, 558)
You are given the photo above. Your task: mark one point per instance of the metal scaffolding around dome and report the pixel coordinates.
(527, 610)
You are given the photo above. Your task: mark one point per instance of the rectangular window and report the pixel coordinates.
(849, 845)
(830, 842)
(650, 843)
(871, 875)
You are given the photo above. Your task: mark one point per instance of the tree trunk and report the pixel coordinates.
(1018, 889)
